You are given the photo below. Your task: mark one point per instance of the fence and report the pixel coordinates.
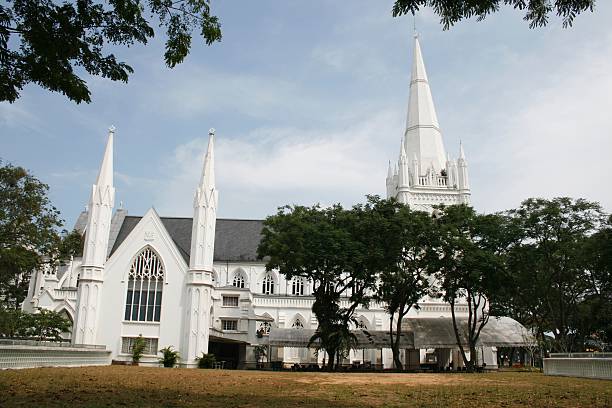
(31, 354)
(588, 365)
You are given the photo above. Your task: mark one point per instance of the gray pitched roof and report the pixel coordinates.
(235, 240)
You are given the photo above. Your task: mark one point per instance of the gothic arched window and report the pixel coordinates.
(267, 286)
(297, 286)
(264, 328)
(361, 324)
(145, 286)
(297, 324)
(238, 280)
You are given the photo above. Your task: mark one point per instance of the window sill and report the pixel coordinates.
(130, 355)
(140, 322)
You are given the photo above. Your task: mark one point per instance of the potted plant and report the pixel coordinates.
(169, 356)
(206, 361)
(260, 353)
(138, 349)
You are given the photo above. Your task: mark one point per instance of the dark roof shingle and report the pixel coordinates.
(235, 240)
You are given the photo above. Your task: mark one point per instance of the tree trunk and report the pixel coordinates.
(395, 340)
(456, 330)
(473, 358)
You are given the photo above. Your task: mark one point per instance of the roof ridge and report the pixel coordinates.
(191, 218)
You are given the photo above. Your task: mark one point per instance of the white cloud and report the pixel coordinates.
(554, 140)
(14, 115)
(277, 166)
(197, 90)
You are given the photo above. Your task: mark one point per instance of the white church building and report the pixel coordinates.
(196, 283)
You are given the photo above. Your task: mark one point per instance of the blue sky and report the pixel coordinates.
(309, 102)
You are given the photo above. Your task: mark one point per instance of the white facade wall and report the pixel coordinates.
(149, 232)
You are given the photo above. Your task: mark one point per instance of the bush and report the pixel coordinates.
(169, 356)
(261, 352)
(12, 323)
(206, 361)
(44, 325)
(138, 349)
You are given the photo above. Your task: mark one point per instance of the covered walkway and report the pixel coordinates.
(426, 342)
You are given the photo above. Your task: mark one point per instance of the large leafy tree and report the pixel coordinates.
(340, 251)
(52, 43)
(470, 268)
(28, 231)
(595, 323)
(406, 281)
(537, 12)
(554, 268)
(309, 242)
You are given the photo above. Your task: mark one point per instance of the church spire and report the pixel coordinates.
(105, 174)
(205, 213)
(97, 232)
(207, 179)
(199, 277)
(423, 135)
(100, 208)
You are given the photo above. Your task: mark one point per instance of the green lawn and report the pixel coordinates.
(143, 386)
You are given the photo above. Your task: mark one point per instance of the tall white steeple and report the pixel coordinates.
(100, 209)
(422, 134)
(97, 233)
(199, 280)
(204, 214)
(427, 176)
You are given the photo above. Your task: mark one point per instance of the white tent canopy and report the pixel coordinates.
(437, 332)
(366, 339)
(419, 333)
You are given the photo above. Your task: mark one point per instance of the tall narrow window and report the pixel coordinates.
(297, 286)
(145, 286)
(267, 286)
(238, 280)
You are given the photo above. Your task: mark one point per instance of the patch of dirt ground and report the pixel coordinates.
(149, 386)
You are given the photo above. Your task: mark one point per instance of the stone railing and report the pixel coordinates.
(283, 301)
(435, 181)
(68, 294)
(588, 367)
(441, 308)
(32, 354)
(298, 302)
(581, 355)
